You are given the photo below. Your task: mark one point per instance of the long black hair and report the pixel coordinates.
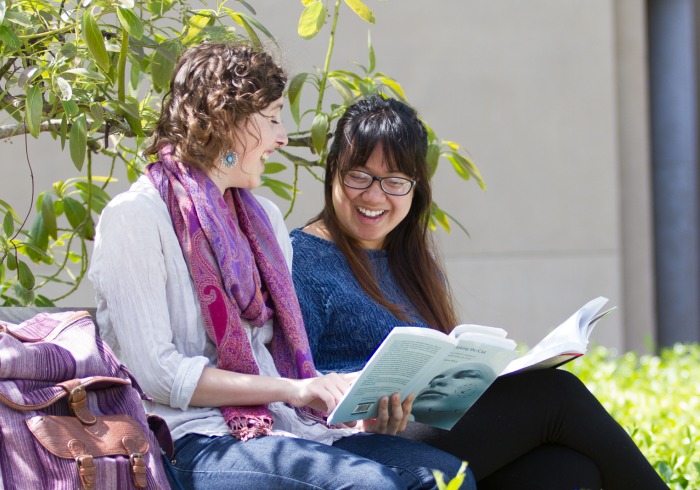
(404, 141)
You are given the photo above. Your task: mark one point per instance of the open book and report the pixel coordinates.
(448, 373)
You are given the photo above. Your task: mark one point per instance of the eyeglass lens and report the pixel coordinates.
(396, 186)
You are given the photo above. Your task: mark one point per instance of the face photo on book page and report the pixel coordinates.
(449, 394)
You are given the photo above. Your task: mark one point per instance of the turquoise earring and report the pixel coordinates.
(229, 159)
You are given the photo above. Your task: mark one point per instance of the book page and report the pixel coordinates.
(453, 385)
(394, 367)
(570, 338)
(553, 356)
(574, 329)
(481, 329)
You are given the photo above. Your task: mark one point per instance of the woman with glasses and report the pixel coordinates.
(366, 264)
(195, 295)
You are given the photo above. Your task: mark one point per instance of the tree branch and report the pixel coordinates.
(10, 130)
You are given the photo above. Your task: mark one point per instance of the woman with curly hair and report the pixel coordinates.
(195, 296)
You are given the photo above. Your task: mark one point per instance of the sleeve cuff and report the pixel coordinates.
(186, 378)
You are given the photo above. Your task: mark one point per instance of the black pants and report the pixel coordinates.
(543, 429)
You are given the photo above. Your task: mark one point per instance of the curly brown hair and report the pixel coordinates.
(215, 87)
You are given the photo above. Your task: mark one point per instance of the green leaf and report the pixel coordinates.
(311, 20)
(99, 197)
(346, 74)
(25, 276)
(49, 216)
(11, 261)
(25, 296)
(440, 217)
(361, 10)
(294, 95)
(278, 187)
(19, 18)
(38, 238)
(78, 141)
(75, 212)
(98, 117)
(130, 107)
(9, 38)
(273, 168)
(135, 76)
(159, 7)
(85, 73)
(132, 171)
(319, 131)
(3, 9)
(394, 86)
(465, 168)
(367, 87)
(33, 110)
(433, 157)
(95, 43)
(8, 224)
(344, 89)
(256, 23)
(248, 6)
(162, 65)
(130, 110)
(244, 21)
(131, 22)
(70, 108)
(43, 301)
(372, 59)
(452, 145)
(196, 23)
(64, 130)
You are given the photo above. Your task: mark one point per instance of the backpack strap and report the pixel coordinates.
(86, 465)
(138, 464)
(77, 401)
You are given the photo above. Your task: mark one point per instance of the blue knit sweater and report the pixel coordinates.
(343, 323)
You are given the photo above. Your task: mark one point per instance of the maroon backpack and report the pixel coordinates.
(70, 413)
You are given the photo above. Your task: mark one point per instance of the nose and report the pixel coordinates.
(374, 191)
(282, 138)
(437, 382)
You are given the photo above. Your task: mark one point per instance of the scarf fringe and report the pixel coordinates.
(250, 427)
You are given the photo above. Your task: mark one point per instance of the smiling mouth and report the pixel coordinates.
(370, 213)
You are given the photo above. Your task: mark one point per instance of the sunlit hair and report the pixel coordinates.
(404, 141)
(215, 87)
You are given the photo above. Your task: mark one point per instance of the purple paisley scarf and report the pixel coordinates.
(239, 273)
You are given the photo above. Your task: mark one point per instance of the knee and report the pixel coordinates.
(563, 383)
(372, 476)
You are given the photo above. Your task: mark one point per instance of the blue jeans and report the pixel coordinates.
(362, 461)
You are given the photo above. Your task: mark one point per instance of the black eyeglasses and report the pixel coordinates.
(394, 186)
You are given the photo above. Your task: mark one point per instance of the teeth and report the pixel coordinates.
(369, 213)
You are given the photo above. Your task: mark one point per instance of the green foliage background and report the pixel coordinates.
(656, 398)
(92, 73)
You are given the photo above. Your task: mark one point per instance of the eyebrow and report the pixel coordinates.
(364, 169)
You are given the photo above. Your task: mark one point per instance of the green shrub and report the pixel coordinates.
(656, 399)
